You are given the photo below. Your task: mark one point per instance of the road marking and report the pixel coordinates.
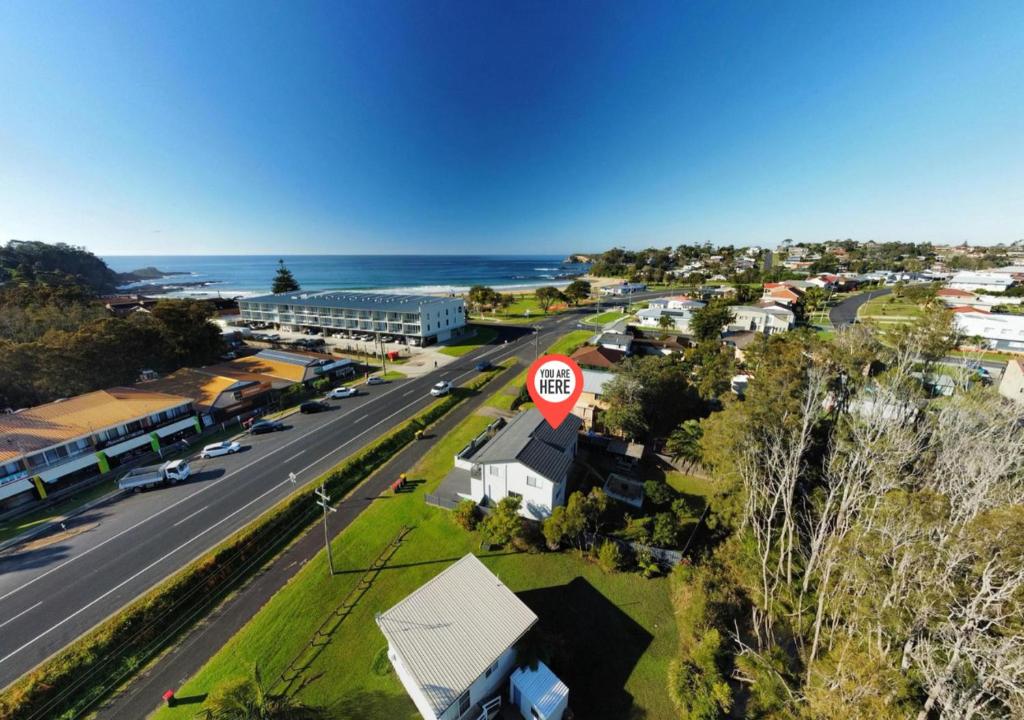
(10, 620)
(408, 393)
(189, 517)
(295, 456)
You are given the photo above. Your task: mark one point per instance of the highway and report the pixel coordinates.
(58, 586)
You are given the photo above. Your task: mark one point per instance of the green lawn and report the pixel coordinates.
(612, 636)
(606, 317)
(566, 344)
(468, 343)
(504, 397)
(882, 308)
(524, 310)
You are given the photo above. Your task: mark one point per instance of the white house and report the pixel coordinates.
(625, 288)
(615, 341)
(527, 459)
(979, 281)
(999, 331)
(767, 320)
(452, 641)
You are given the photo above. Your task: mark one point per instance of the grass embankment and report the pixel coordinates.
(612, 636)
(606, 317)
(468, 343)
(569, 342)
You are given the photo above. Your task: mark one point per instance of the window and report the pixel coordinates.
(532, 481)
(491, 669)
(463, 703)
(493, 470)
(514, 494)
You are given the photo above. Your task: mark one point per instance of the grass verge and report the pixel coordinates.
(468, 343)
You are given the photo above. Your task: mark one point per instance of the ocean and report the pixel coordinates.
(244, 275)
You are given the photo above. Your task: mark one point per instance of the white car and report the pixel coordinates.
(228, 447)
(442, 388)
(375, 380)
(341, 392)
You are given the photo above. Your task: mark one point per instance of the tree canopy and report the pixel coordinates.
(284, 281)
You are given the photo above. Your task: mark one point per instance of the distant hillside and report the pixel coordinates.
(147, 273)
(30, 261)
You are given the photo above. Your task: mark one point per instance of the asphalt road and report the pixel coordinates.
(845, 313)
(59, 586)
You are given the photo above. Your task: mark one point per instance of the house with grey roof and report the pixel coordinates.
(452, 643)
(527, 458)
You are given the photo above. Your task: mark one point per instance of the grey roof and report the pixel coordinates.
(451, 629)
(541, 687)
(290, 358)
(528, 439)
(615, 338)
(595, 380)
(353, 300)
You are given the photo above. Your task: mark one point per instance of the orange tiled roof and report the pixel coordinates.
(64, 420)
(202, 386)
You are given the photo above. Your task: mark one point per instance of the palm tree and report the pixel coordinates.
(252, 699)
(666, 322)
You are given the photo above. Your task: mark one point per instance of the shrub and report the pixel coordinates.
(322, 384)
(530, 539)
(666, 530)
(636, 529)
(697, 686)
(465, 514)
(503, 524)
(609, 556)
(646, 565)
(658, 493)
(522, 397)
(554, 528)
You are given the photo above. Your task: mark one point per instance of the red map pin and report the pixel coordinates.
(555, 383)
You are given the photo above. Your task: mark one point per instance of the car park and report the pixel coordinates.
(313, 406)
(265, 426)
(375, 380)
(227, 447)
(441, 388)
(342, 392)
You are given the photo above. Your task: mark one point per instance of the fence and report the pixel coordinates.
(441, 502)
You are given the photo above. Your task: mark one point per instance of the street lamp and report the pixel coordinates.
(323, 500)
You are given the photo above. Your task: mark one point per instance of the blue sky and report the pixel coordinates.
(497, 127)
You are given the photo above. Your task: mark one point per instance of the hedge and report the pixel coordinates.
(83, 673)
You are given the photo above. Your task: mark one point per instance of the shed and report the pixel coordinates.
(538, 694)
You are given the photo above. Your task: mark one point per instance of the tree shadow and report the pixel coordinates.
(372, 704)
(590, 643)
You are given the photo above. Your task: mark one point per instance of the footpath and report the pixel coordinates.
(143, 694)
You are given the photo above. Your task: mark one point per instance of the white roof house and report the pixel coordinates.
(999, 331)
(985, 281)
(452, 641)
(538, 693)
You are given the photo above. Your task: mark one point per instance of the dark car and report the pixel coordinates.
(313, 406)
(484, 365)
(264, 426)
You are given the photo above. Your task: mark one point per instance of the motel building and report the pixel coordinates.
(418, 319)
(51, 446)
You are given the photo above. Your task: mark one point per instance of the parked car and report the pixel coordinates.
(273, 337)
(442, 388)
(313, 406)
(484, 365)
(227, 447)
(264, 426)
(341, 392)
(375, 380)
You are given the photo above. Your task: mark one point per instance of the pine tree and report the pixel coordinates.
(284, 281)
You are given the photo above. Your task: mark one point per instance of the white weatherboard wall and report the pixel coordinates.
(499, 479)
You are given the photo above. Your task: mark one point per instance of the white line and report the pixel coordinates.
(173, 505)
(189, 517)
(408, 393)
(295, 456)
(10, 620)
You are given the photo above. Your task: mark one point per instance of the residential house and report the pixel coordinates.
(528, 459)
(981, 281)
(596, 356)
(679, 309)
(1012, 383)
(765, 320)
(616, 341)
(452, 642)
(66, 440)
(590, 404)
(621, 289)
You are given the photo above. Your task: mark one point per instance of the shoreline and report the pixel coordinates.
(181, 292)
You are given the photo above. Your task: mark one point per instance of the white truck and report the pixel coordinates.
(146, 477)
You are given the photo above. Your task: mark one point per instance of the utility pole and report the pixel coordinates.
(536, 342)
(323, 500)
(383, 359)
